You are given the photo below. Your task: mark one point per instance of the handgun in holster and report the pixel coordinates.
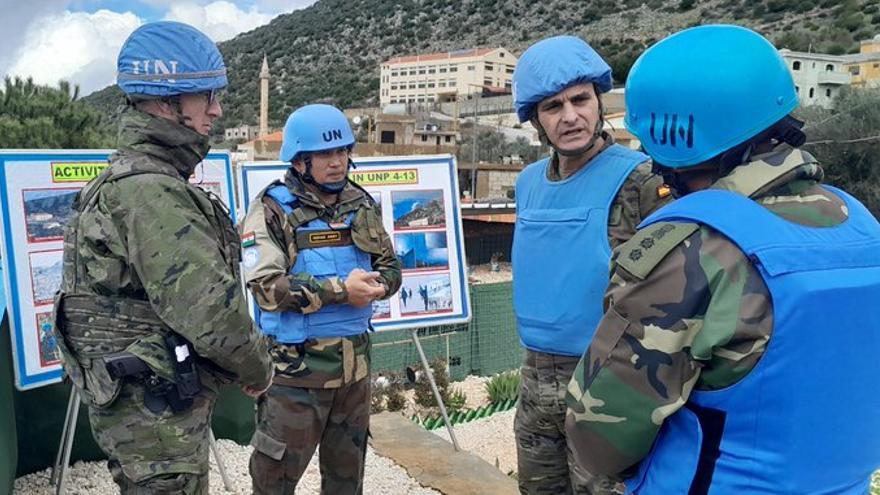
(160, 393)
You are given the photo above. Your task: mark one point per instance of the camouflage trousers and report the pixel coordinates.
(544, 461)
(292, 421)
(152, 453)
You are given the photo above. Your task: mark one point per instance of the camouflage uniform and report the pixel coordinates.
(545, 463)
(685, 310)
(321, 390)
(146, 254)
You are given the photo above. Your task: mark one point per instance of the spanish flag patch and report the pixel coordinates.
(248, 239)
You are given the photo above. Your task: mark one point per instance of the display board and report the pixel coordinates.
(37, 188)
(418, 197)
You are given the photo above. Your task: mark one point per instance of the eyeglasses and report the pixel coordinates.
(214, 95)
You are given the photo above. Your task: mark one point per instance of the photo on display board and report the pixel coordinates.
(422, 250)
(46, 213)
(425, 294)
(418, 209)
(381, 309)
(49, 353)
(45, 275)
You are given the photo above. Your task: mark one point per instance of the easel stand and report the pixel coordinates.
(430, 373)
(62, 460)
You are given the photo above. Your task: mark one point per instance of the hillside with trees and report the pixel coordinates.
(331, 51)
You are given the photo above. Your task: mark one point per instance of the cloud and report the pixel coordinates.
(77, 46)
(221, 20)
(17, 17)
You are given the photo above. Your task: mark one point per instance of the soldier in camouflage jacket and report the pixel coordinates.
(300, 238)
(147, 254)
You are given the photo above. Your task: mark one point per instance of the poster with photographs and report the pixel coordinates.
(37, 191)
(420, 211)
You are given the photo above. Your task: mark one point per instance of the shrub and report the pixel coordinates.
(457, 400)
(503, 386)
(424, 396)
(395, 401)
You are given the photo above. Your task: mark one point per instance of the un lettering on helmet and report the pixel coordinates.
(316, 127)
(166, 58)
(704, 90)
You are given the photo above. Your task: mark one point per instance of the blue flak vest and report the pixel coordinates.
(806, 419)
(335, 320)
(561, 253)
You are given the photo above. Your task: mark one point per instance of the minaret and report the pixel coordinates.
(264, 98)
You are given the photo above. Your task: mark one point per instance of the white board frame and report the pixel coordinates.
(15, 247)
(251, 180)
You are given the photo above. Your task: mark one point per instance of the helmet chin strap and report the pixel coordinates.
(330, 187)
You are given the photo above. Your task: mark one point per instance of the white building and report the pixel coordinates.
(817, 76)
(428, 77)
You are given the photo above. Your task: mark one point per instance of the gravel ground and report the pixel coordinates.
(482, 274)
(382, 477)
(490, 438)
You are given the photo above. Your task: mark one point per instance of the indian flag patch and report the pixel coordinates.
(248, 239)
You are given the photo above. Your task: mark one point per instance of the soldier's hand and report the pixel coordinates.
(363, 287)
(253, 391)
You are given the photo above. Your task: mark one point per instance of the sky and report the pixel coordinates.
(78, 40)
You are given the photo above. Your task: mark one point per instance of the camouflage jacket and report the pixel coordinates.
(641, 193)
(685, 309)
(149, 253)
(322, 363)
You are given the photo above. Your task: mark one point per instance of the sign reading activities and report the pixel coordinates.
(418, 197)
(37, 189)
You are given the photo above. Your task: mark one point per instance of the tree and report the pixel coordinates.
(36, 116)
(846, 141)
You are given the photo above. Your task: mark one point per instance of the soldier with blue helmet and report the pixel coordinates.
(150, 318)
(731, 356)
(573, 208)
(316, 255)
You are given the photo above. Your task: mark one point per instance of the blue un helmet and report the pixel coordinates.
(553, 64)
(313, 128)
(708, 92)
(164, 59)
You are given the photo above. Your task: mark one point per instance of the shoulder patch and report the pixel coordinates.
(647, 248)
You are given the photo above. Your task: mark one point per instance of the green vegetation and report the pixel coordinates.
(36, 116)
(503, 386)
(846, 142)
(331, 51)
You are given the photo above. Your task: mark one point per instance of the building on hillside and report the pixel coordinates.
(865, 65)
(818, 77)
(245, 132)
(423, 78)
(263, 148)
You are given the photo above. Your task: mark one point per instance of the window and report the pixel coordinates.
(452, 83)
(441, 84)
(812, 90)
(453, 69)
(470, 67)
(395, 73)
(393, 87)
(421, 71)
(828, 92)
(412, 72)
(876, 66)
(424, 138)
(814, 65)
(796, 65)
(829, 68)
(432, 71)
(854, 70)
(430, 85)
(508, 85)
(442, 70)
(412, 85)
(501, 54)
(448, 139)
(421, 85)
(487, 81)
(797, 89)
(386, 137)
(420, 99)
(488, 66)
(509, 69)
